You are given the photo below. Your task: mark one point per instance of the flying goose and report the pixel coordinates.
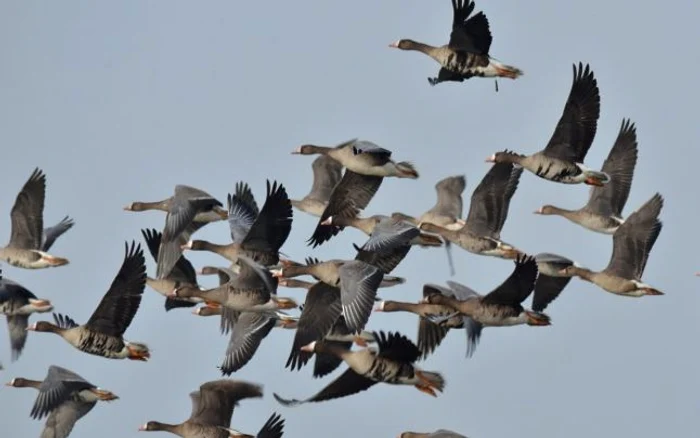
(256, 235)
(383, 229)
(253, 289)
(447, 211)
(18, 303)
(488, 211)
(188, 210)
(562, 159)
(603, 212)
(366, 166)
(501, 307)
(632, 243)
(430, 334)
(181, 275)
(354, 282)
(65, 397)
(322, 319)
(393, 363)
(212, 408)
(327, 174)
(103, 334)
(29, 241)
(467, 53)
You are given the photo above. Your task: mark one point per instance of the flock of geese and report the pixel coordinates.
(343, 293)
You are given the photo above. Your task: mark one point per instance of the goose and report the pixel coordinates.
(246, 335)
(632, 243)
(258, 236)
(188, 210)
(430, 334)
(386, 229)
(502, 306)
(182, 274)
(327, 174)
(603, 212)
(440, 433)
(322, 319)
(212, 407)
(488, 211)
(273, 428)
(18, 303)
(29, 241)
(65, 397)
(366, 165)
(103, 334)
(562, 159)
(447, 211)
(387, 281)
(355, 282)
(253, 289)
(393, 363)
(550, 280)
(467, 53)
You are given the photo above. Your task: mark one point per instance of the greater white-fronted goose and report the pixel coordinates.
(393, 363)
(212, 408)
(387, 280)
(183, 208)
(603, 212)
(322, 319)
(488, 211)
(430, 334)
(366, 167)
(562, 159)
(385, 230)
(182, 274)
(355, 282)
(467, 53)
(18, 303)
(273, 428)
(65, 397)
(29, 241)
(327, 174)
(440, 433)
(103, 334)
(632, 243)
(502, 306)
(447, 211)
(258, 236)
(253, 289)
(550, 281)
(247, 333)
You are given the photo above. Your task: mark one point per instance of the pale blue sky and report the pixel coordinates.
(120, 101)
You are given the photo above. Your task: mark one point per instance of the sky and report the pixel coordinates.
(121, 101)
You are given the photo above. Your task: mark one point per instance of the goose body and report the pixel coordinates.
(17, 304)
(467, 53)
(562, 159)
(392, 363)
(102, 335)
(632, 243)
(29, 241)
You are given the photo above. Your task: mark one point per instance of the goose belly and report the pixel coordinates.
(496, 316)
(466, 64)
(100, 344)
